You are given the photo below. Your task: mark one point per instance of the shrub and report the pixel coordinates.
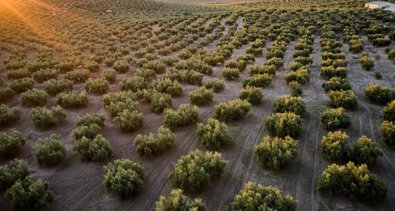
(335, 118)
(93, 149)
(196, 65)
(168, 86)
(129, 120)
(29, 194)
(289, 104)
(276, 153)
(151, 144)
(8, 116)
(188, 76)
(6, 94)
(89, 119)
(88, 131)
(45, 74)
(296, 88)
(156, 66)
(216, 85)
(364, 151)
(333, 145)
(330, 71)
(22, 85)
(387, 130)
(49, 151)
(336, 84)
(252, 94)
(34, 97)
(178, 201)
(378, 75)
(214, 134)
(78, 75)
(352, 181)
(186, 114)
(346, 99)
(65, 66)
(13, 171)
(301, 76)
(201, 96)
(232, 110)
(366, 62)
(97, 86)
(262, 69)
(378, 94)
(195, 170)
(11, 143)
(258, 197)
(18, 74)
(258, 80)
(121, 66)
(388, 111)
(284, 124)
(135, 83)
(73, 99)
(124, 177)
(56, 86)
(45, 118)
(110, 75)
(160, 101)
(230, 73)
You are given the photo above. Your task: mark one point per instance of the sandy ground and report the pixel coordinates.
(79, 185)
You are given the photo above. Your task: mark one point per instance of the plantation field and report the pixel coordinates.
(120, 105)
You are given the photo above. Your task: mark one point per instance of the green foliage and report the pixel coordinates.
(335, 118)
(296, 88)
(6, 94)
(30, 193)
(330, 71)
(188, 76)
(232, 110)
(49, 151)
(195, 170)
(88, 131)
(44, 118)
(56, 86)
(135, 83)
(185, 115)
(8, 116)
(333, 145)
(110, 75)
(151, 144)
(289, 104)
(11, 143)
(300, 75)
(124, 177)
(284, 124)
(168, 86)
(230, 73)
(22, 85)
(178, 201)
(378, 94)
(73, 99)
(214, 134)
(387, 130)
(346, 99)
(129, 120)
(201, 96)
(355, 182)
(258, 197)
(378, 75)
(90, 118)
(276, 153)
(336, 84)
(258, 80)
(366, 62)
(121, 66)
(252, 94)
(13, 171)
(97, 86)
(364, 151)
(388, 111)
(45, 74)
(93, 149)
(217, 85)
(159, 101)
(34, 97)
(78, 75)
